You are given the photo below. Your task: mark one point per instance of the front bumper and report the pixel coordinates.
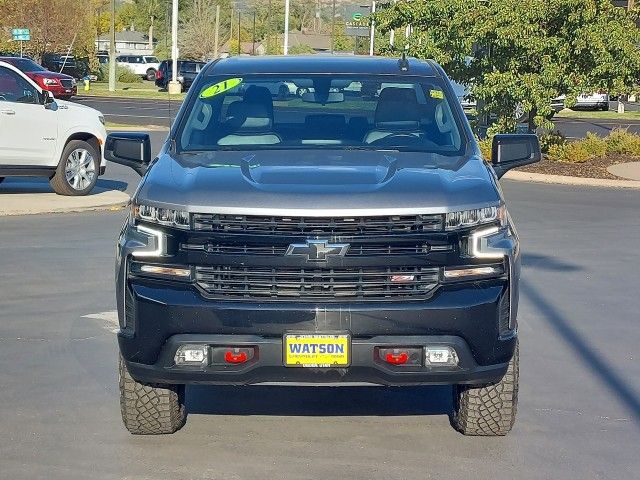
(160, 317)
(61, 91)
(267, 365)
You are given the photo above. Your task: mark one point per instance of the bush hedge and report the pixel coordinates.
(556, 147)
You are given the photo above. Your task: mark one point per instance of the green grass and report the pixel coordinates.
(126, 126)
(132, 90)
(566, 113)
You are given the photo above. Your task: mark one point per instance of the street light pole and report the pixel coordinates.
(286, 27)
(112, 48)
(373, 29)
(333, 26)
(174, 85)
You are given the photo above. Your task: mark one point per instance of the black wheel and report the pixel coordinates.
(605, 108)
(489, 410)
(77, 172)
(151, 75)
(150, 409)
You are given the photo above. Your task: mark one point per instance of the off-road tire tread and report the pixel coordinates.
(150, 409)
(489, 410)
(59, 182)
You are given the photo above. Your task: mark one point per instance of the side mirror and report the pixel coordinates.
(514, 150)
(129, 149)
(48, 100)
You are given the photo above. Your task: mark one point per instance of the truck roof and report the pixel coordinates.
(320, 63)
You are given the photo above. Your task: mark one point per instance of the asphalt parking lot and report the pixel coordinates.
(579, 411)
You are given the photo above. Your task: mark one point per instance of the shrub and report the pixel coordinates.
(549, 139)
(123, 75)
(595, 145)
(572, 152)
(485, 148)
(622, 142)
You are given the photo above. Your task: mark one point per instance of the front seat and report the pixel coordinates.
(262, 95)
(397, 112)
(248, 123)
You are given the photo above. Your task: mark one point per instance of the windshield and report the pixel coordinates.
(26, 65)
(370, 112)
(151, 59)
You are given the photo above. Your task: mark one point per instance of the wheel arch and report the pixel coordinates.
(90, 138)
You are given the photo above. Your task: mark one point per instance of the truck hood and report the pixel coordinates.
(318, 182)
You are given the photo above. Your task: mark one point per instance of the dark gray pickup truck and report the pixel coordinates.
(346, 231)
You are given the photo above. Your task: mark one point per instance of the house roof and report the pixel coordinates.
(317, 41)
(130, 36)
(245, 47)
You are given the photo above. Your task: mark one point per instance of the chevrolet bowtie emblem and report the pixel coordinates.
(318, 250)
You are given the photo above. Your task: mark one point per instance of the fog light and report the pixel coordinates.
(402, 356)
(440, 355)
(192, 355)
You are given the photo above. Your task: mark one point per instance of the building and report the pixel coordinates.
(246, 48)
(129, 42)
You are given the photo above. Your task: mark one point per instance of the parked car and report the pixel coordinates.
(60, 85)
(320, 239)
(596, 101)
(188, 70)
(44, 137)
(469, 103)
(144, 65)
(61, 63)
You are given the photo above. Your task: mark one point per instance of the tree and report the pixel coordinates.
(197, 36)
(523, 52)
(49, 24)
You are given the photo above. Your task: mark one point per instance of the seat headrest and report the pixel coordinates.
(248, 116)
(261, 95)
(397, 108)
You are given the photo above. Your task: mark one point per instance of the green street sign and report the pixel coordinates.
(23, 34)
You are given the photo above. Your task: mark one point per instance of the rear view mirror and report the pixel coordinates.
(509, 151)
(316, 97)
(129, 149)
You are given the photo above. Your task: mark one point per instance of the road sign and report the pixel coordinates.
(357, 21)
(23, 34)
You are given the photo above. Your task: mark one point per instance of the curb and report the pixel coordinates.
(567, 180)
(38, 203)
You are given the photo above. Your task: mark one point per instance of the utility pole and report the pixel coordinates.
(373, 29)
(286, 27)
(217, 32)
(333, 26)
(269, 28)
(239, 33)
(253, 36)
(174, 85)
(112, 48)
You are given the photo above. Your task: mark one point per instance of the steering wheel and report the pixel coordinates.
(396, 138)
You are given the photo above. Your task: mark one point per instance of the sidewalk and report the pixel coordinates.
(30, 197)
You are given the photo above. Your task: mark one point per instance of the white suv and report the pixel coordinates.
(41, 136)
(144, 65)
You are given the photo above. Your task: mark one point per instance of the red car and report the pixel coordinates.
(62, 86)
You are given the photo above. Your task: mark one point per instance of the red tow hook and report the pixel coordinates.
(397, 358)
(231, 357)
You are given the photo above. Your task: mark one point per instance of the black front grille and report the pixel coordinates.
(67, 83)
(358, 250)
(333, 226)
(370, 283)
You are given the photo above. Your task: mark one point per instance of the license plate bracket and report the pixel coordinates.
(316, 350)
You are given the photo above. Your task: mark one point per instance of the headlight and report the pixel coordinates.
(49, 81)
(101, 119)
(162, 216)
(475, 217)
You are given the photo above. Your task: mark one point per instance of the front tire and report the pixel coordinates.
(151, 75)
(489, 410)
(77, 172)
(150, 409)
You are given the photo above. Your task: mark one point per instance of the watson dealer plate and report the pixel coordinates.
(318, 350)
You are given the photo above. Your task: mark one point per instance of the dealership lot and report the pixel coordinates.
(579, 412)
